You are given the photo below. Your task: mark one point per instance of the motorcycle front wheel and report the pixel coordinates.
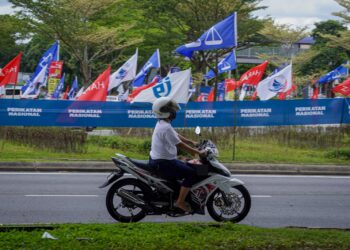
(121, 209)
(233, 207)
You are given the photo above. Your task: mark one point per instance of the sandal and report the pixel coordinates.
(186, 208)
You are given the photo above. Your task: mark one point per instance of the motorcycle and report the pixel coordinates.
(137, 190)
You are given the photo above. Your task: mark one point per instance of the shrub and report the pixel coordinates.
(53, 139)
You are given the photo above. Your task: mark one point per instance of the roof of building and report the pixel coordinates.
(306, 40)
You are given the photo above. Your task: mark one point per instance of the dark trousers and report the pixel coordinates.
(175, 170)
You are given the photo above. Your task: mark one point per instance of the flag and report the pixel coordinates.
(81, 90)
(230, 86)
(153, 62)
(283, 95)
(254, 75)
(343, 88)
(279, 82)
(65, 95)
(315, 92)
(221, 35)
(9, 73)
(138, 90)
(175, 86)
(97, 91)
(226, 64)
(59, 88)
(204, 93)
(220, 93)
(52, 54)
(74, 89)
(339, 72)
(35, 82)
(125, 73)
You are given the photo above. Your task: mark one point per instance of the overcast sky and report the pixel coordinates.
(295, 12)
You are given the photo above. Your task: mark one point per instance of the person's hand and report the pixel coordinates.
(203, 153)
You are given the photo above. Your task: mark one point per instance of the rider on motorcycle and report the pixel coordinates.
(163, 155)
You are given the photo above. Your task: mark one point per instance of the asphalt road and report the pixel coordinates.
(277, 201)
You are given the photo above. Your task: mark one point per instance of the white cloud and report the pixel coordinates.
(299, 12)
(5, 7)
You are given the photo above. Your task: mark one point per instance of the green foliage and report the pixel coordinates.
(339, 154)
(122, 143)
(172, 236)
(54, 139)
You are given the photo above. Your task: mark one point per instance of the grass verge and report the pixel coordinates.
(246, 151)
(173, 236)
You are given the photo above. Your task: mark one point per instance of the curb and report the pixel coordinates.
(235, 168)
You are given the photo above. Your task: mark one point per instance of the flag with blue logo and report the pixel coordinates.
(126, 72)
(74, 89)
(153, 62)
(56, 94)
(221, 35)
(339, 72)
(52, 54)
(175, 86)
(277, 83)
(203, 95)
(226, 64)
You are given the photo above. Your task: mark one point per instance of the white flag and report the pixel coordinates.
(279, 82)
(175, 86)
(39, 79)
(126, 72)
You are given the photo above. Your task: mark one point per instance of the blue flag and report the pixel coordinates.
(74, 89)
(44, 63)
(339, 72)
(228, 63)
(153, 62)
(59, 88)
(221, 35)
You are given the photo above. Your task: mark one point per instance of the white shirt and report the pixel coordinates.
(164, 141)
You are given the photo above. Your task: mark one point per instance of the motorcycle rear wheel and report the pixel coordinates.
(121, 209)
(241, 203)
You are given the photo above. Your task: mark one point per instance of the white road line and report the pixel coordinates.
(60, 195)
(261, 196)
(51, 173)
(293, 176)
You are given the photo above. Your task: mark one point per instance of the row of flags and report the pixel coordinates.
(177, 84)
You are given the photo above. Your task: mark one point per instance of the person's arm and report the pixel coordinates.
(187, 141)
(190, 149)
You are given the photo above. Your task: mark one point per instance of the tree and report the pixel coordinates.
(322, 58)
(82, 28)
(10, 33)
(182, 21)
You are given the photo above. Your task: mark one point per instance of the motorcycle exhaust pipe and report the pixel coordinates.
(131, 197)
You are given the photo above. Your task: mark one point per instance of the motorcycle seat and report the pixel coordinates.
(143, 164)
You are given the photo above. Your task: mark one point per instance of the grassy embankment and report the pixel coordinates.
(173, 236)
(246, 151)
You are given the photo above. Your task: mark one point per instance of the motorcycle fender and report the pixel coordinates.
(111, 178)
(229, 182)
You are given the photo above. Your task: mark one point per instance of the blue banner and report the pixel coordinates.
(14, 112)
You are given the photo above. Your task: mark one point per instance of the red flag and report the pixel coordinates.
(9, 73)
(254, 75)
(255, 94)
(65, 95)
(231, 84)
(343, 88)
(211, 96)
(138, 90)
(97, 91)
(315, 94)
(283, 95)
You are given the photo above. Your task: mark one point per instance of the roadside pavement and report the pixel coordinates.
(235, 167)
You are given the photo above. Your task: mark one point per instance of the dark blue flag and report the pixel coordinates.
(339, 72)
(221, 35)
(228, 63)
(59, 88)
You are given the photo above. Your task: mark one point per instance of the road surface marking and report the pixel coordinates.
(60, 195)
(261, 196)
